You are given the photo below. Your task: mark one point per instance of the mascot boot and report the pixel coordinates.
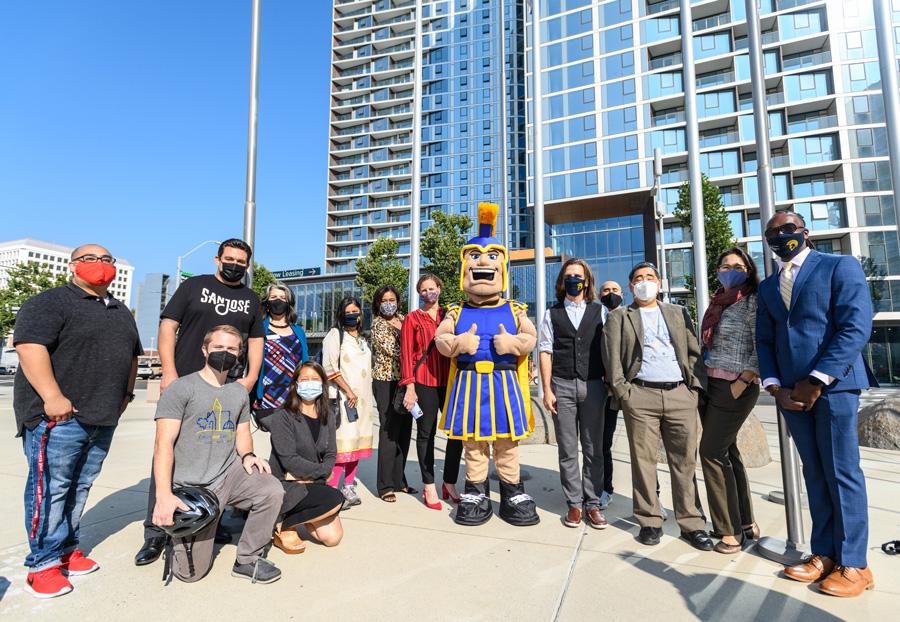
(475, 507)
(516, 507)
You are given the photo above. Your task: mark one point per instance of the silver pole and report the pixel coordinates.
(250, 201)
(504, 138)
(538, 143)
(786, 551)
(693, 148)
(178, 272)
(177, 275)
(415, 201)
(887, 61)
(660, 209)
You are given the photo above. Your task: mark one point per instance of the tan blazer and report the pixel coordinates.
(623, 347)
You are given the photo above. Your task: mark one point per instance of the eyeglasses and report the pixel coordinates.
(94, 259)
(738, 267)
(788, 228)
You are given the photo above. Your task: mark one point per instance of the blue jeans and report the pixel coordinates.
(74, 454)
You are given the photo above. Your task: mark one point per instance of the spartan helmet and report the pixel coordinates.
(479, 278)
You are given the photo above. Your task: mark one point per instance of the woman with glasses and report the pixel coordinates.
(728, 336)
(284, 349)
(347, 359)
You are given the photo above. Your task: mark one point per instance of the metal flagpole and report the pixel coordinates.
(504, 141)
(887, 60)
(538, 159)
(415, 225)
(788, 550)
(660, 209)
(250, 200)
(698, 222)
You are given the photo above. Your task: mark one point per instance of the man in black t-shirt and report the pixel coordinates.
(198, 305)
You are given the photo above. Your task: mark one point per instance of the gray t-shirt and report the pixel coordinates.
(660, 363)
(209, 417)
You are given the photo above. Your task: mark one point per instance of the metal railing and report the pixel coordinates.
(716, 79)
(667, 119)
(810, 60)
(719, 139)
(814, 123)
(711, 22)
(659, 7)
(665, 61)
(817, 189)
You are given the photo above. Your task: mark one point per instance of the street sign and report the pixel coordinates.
(292, 274)
(185, 276)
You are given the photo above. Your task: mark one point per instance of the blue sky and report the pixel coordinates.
(125, 123)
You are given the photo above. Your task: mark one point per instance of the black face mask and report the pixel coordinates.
(232, 272)
(611, 300)
(278, 307)
(351, 320)
(221, 360)
(574, 285)
(787, 244)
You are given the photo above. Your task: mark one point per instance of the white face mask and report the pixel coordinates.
(646, 290)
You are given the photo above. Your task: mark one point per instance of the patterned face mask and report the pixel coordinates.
(388, 308)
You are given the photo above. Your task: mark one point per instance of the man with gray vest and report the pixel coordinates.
(574, 393)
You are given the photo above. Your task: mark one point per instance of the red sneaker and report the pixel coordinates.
(48, 583)
(75, 563)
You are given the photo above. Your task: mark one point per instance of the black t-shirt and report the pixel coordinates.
(92, 345)
(204, 302)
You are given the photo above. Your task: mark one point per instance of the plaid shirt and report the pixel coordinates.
(733, 347)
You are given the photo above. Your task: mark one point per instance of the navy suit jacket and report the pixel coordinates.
(826, 328)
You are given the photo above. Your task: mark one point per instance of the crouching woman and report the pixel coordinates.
(303, 455)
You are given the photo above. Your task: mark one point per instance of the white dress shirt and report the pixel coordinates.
(575, 311)
(796, 263)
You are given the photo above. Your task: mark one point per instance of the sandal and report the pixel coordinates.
(389, 497)
(409, 490)
(291, 544)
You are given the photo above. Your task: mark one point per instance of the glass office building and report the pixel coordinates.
(612, 88)
(612, 91)
(471, 147)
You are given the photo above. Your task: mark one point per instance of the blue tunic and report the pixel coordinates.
(485, 403)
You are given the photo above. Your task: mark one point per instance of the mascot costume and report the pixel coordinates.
(488, 400)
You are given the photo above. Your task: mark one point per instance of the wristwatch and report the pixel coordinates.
(773, 389)
(815, 382)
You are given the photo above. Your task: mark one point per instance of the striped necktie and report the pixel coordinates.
(787, 284)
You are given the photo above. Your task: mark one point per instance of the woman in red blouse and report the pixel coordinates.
(428, 387)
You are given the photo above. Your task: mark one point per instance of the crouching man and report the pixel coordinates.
(203, 440)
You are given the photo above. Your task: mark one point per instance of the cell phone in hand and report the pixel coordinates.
(352, 413)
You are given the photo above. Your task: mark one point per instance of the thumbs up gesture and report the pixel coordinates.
(505, 343)
(467, 343)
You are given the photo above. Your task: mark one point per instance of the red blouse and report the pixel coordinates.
(415, 336)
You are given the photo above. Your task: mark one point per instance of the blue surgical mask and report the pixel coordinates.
(309, 390)
(732, 278)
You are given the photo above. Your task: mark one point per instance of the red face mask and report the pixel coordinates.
(97, 273)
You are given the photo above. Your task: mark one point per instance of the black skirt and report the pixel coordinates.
(320, 499)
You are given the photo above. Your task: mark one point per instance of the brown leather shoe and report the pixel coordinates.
(573, 518)
(813, 568)
(847, 582)
(596, 519)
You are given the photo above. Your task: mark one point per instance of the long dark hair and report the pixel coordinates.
(342, 308)
(323, 403)
(752, 271)
(378, 295)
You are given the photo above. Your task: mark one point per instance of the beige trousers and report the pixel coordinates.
(506, 459)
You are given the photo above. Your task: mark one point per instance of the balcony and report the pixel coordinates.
(665, 61)
(674, 177)
(711, 22)
(659, 7)
(355, 71)
(356, 129)
(363, 39)
(667, 118)
(716, 140)
(808, 60)
(784, 5)
(715, 79)
(817, 189)
(398, 80)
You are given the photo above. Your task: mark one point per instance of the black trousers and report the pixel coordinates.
(609, 432)
(393, 438)
(431, 400)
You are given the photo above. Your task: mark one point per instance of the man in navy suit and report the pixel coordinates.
(814, 319)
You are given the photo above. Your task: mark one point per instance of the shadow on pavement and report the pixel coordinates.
(718, 597)
(4, 585)
(114, 513)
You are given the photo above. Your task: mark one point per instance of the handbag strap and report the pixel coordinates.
(422, 360)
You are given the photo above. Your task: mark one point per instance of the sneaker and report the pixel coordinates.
(605, 498)
(48, 583)
(75, 563)
(260, 571)
(350, 495)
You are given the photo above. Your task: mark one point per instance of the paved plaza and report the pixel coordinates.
(403, 561)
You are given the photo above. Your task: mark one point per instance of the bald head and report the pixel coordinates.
(610, 286)
(90, 249)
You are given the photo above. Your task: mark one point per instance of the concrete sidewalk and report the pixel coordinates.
(403, 561)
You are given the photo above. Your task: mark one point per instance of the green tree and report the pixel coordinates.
(719, 236)
(440, 246)
(23, 282)
(262, 278)
(381, 267)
